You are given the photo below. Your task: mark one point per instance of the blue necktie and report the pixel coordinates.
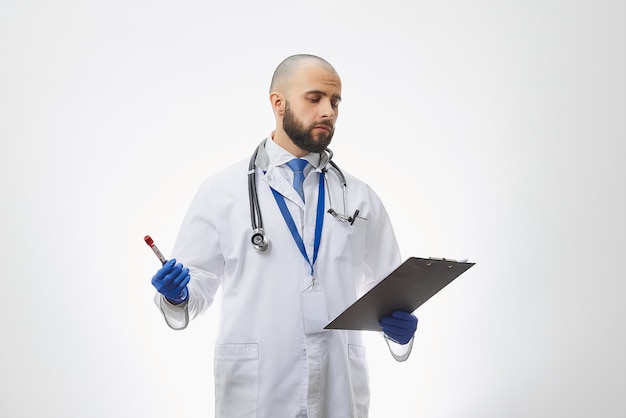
(297, 165)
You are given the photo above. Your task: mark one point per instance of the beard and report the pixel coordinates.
(303, 136)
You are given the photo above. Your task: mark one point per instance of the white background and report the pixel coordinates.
(493, 130)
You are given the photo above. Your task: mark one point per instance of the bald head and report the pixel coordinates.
(289, 66)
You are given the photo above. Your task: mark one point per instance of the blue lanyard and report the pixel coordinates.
(319, 222)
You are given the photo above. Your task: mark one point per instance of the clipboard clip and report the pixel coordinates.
(450, 260)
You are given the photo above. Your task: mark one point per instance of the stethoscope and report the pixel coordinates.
(259, 240)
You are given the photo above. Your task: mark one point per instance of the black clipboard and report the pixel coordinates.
(406, 288)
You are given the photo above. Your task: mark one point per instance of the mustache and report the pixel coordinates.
(325, 123)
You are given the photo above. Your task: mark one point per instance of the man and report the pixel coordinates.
(272, 356)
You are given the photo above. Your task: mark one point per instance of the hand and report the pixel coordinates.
(171, 281)
(400, 326)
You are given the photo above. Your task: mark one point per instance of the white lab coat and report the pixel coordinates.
(265, 364)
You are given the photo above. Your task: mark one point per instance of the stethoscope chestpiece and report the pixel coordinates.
(259, 241)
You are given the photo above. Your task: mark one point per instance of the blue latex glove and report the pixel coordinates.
(171, 281)
(400, 326)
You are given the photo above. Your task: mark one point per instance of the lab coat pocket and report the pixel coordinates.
(359, 376)
(236, 380)
(350, 241)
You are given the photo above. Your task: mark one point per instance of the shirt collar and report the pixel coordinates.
(278, 155)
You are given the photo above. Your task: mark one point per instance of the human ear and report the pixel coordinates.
(278, 103)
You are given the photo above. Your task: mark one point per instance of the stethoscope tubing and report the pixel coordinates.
(255, 210)
(256, 220)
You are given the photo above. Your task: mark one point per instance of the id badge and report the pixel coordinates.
(314, 311)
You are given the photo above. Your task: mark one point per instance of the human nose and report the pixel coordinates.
(328, 110)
